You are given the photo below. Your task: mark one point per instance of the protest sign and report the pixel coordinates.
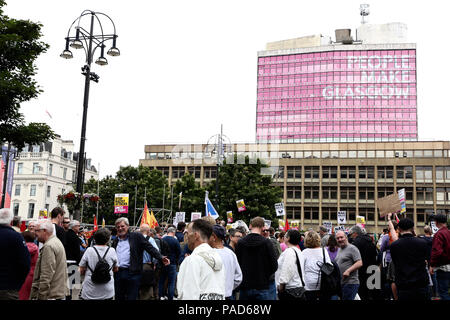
(339, 228)
(433, 227)
(195, 215)
(181, 217)
(229, 216)
(43, 214)
(267, 223)
(121, 203)
(241, 205)
(279, 209)
(342, 217)
(389, 204)
(401, 197)
(328, 225)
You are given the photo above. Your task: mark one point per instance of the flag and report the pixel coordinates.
(153, 222)
(95, 224)
(180, 196)
(145, 215)
(210, 210)
(286, 225)
(103, 222)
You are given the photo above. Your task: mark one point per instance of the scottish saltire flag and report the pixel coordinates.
(210, 210)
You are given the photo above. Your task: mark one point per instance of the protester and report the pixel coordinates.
(50, 274)
(65, 224)
(90, 289)
(332, 247)
(428, 237)
(409, 255)
(180, 231)
(369, 254)
(57, 216)
(83, 241)
(233, 273)
(242, 230)
(15, 261)
(169, 272)
(266, 232)
(440, 256)
(73, 242)
(258, 262)
(324, 235)
(349, 261)
(283, 245)
(235, 235)
(130, 248)
(33, 249)
(16, 223)
(201, 276)
(148, 281)
(311, 261)
(288, 277)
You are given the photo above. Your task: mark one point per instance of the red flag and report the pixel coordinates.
(23, 227)
(286, 225)
(95, 224)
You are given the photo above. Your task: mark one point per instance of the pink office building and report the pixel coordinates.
(336, 92)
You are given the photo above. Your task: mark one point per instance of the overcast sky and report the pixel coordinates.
(188, 66)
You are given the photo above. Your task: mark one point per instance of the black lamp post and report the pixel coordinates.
(89, 42)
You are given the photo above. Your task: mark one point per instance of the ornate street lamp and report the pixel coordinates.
(89, 42)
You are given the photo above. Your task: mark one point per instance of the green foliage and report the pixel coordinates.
(125, 181)
(193, 197)
(244, 181)
(19, 48)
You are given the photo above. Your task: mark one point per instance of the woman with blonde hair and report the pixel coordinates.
(311, 262)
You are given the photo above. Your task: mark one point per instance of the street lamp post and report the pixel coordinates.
(89, 42)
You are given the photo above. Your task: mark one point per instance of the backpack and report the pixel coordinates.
(330, 278)
(101, 273)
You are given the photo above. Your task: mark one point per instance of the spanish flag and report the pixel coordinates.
(153, 222)
(95, 224)
(145, 216)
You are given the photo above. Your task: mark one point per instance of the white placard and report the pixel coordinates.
(342, 217)
(433, 227)
(267, 223)
(195, 215)
(339, 228)
(279, 209)
(328, 225)
(180, 217)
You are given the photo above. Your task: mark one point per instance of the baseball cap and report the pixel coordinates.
(219, 231)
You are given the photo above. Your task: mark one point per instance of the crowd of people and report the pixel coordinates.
(203, 260)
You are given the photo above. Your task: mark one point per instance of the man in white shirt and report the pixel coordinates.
(201, 275)
(233, 273)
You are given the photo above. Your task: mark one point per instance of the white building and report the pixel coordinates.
(41, 173)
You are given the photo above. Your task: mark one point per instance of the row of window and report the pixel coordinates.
(31, 209)
(423, 173)
(18, 190)
(37, 169)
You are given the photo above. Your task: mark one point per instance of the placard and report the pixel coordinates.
(433, 227)
(339, 228)
(180, 216)
(279, 209)
(328, 225)
(401, 197)
(43, 214)
(267, 223)
(195, 215)
(229, 216)
(389, 204)
(241, 205)
(360, 220)
(342, 217)
(121, 203)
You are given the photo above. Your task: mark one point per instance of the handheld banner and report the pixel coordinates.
(279, 209)
(241, 205)
(342, 217)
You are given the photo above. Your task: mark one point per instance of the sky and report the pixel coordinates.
(188, 66)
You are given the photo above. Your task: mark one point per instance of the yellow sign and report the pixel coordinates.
(121, 203)
(43, 214)
(360, 220)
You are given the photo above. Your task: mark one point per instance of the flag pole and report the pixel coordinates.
(98, 187)
(135, 199)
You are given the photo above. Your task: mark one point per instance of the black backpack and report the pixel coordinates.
(101, 273)
(330, 278)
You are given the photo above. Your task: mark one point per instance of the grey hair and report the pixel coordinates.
(152, 231)
(122, 219)
(45, 224)
(356, 229)
(6, 216)
(73, 223)
(171, 230)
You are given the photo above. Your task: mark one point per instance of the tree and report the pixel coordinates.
(19, 48)
(125, 181)
(245, 181)
(193, 197)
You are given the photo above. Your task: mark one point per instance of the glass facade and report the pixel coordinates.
(337, 96)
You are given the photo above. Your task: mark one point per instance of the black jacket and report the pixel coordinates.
(61, 234)
(15, 259)
(137, 246)
(72, 246)
(409, 254)
(258, 261)
(368, 252)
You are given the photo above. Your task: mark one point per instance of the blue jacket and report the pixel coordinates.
(15, 259)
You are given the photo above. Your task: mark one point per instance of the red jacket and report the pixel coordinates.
(440, 250)
(24, 293)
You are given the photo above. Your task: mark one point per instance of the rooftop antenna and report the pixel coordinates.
(364, 11)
